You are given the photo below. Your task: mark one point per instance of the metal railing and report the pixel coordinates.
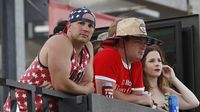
(69, 102)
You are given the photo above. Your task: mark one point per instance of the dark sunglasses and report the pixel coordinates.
(139, 39)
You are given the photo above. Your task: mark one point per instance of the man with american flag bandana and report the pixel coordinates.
(64, 63)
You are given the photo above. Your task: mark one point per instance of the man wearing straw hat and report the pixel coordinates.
(120, 63)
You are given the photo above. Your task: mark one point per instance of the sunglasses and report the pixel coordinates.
(142, 40)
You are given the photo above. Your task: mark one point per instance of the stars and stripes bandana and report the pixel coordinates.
(77, 15)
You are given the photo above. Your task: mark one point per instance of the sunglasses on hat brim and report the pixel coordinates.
(146, 39)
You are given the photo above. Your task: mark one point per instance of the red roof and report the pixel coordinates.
(59, 11)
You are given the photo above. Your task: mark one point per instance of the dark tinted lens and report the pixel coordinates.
(140, 39)
(152, 41)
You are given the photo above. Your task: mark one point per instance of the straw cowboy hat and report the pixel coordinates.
(131, 27)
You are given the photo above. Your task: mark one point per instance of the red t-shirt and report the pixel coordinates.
(108, 65)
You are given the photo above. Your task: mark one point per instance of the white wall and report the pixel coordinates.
(180, 4)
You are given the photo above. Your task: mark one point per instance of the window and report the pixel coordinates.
(170, 34)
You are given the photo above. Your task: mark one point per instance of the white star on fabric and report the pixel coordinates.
(37, 82)
(23, 81)
(79, 71)
(50, 105)
(7, 102)
(24, 95)
(73, 60)
(17, 95)
(28, 75)
(21, 107)
(7, 110)
(34, 75)
(77, 16)
(85, 62)
(79, 11)
(25, 103)
(85, 11)
(87, 55)
(40, 68)
(43, 75)
(33, 67)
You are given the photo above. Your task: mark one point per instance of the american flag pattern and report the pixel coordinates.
(37, 74)
(77, 14)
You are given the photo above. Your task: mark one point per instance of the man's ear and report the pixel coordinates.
(68, 25)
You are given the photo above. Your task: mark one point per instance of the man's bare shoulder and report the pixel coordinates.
(59, 41)
(89, 44)
(90, 47)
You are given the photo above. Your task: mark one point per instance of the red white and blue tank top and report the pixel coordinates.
(37, 74)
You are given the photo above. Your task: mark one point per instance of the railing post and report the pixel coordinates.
(13, 85)
(13, 103)
(31, 101)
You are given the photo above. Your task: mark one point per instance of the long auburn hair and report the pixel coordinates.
(162, 82)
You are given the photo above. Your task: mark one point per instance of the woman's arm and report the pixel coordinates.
(187, 100)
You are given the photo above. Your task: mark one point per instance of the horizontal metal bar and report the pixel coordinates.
(77, 98)
(39, 90)
(53, 93)
(15, 84)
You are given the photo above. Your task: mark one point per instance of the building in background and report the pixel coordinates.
(24, 25)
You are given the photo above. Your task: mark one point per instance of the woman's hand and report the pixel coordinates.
(168, 73)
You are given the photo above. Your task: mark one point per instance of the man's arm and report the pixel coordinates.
(138, 99)
(88, 77)
(59, 64)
